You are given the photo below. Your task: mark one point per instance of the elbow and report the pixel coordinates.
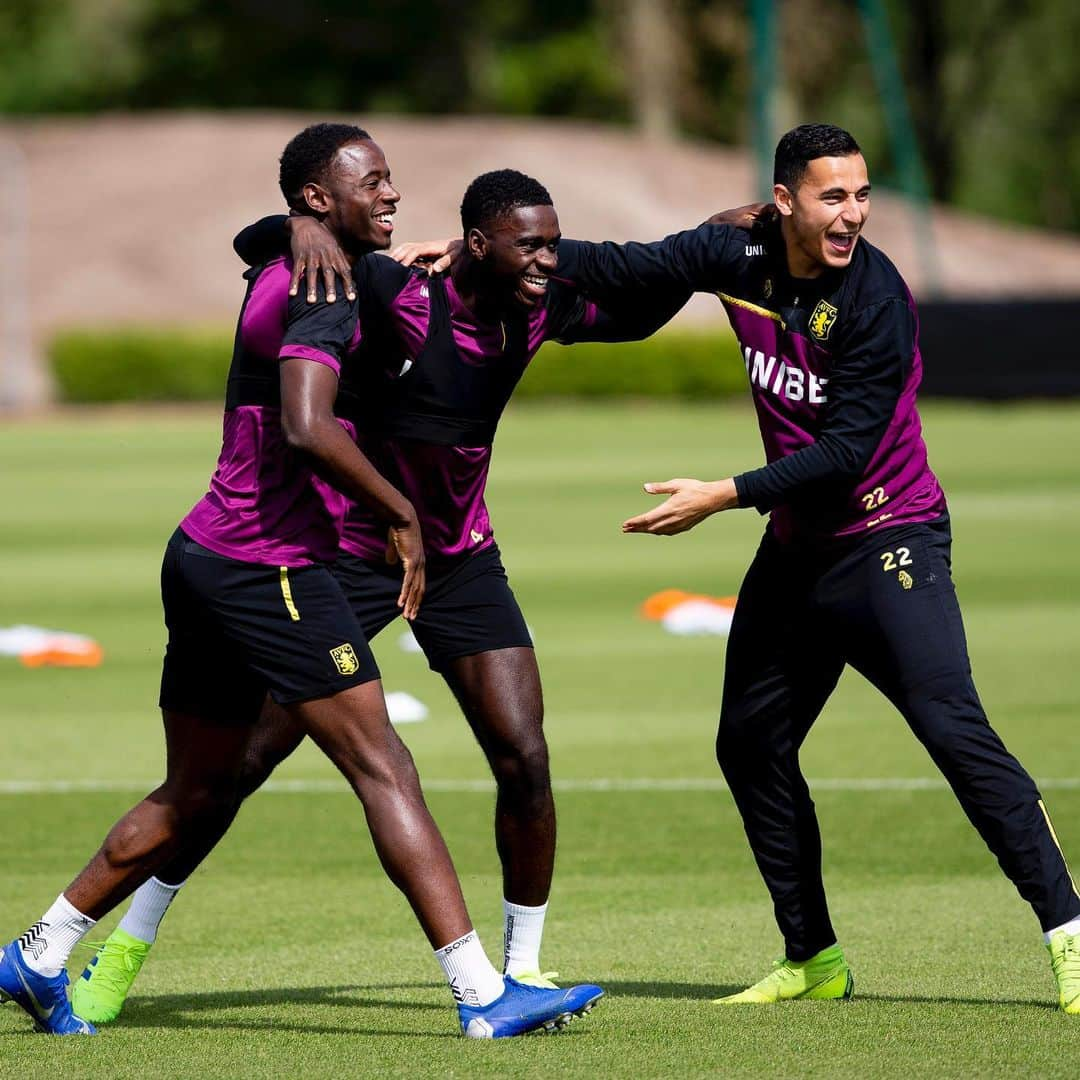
(847, 462)
(301, 432)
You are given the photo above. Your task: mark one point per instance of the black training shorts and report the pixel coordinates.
(468, 606)
(239, 629)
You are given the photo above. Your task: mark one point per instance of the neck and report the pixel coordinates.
(468, 278)
(799, 264)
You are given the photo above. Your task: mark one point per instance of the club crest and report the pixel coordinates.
(344, 658)
(821, 321)
(768, 288)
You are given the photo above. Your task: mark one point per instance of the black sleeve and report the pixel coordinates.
(704, 259)
(322, 331)
(864, 387)
(265, 240)
(626, 321)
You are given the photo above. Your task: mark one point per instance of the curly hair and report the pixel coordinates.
(308, 157)
(803, 144)
(492, 195)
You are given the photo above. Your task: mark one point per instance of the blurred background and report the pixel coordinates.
(137, 136)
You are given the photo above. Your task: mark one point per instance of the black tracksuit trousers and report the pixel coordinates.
(888, 607)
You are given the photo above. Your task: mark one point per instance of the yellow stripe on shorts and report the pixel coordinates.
(286, 593)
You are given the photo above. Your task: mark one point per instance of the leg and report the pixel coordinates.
(778, 673)
(203, 763)
(499, 693)
(475, 636)
(910, 643)
(269, 743)
(353, 730)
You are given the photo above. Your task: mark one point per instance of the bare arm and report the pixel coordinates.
(308, 391)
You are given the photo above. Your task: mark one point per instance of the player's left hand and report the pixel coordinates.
(690, 503)
(746, 217)
(314, 249)
(439, 254)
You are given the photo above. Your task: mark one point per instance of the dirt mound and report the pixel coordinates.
(129, 219)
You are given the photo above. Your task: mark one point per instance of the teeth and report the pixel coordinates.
(539, 282)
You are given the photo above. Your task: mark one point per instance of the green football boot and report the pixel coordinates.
(823, 977)
(535, 978)
(1065, 960)
(101, 991)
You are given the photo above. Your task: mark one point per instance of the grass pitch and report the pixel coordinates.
(289, 954)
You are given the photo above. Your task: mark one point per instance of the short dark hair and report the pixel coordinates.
(803, 144)
(495, 194)
(309, 155)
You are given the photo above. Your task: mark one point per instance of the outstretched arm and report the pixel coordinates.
(698, 260)
(631, 317)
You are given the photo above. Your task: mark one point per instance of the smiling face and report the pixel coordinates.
(356, 199)
(518, 253)
(822, 219)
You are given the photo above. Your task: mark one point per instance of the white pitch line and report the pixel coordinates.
(617, 784)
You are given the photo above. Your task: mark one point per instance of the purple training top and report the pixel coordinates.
(446, 483)
(265, 505)
(833, 364)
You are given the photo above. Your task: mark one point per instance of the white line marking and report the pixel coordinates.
(618, 784)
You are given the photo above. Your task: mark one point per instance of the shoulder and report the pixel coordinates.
(271, 278)
(380, 270)
(872, 279)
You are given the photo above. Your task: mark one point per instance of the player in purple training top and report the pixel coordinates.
(251, 607)
(854, 567)
(440, 357)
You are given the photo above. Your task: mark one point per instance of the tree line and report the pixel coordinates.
(991, 85)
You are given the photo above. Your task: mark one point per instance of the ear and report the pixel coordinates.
(318, 198)
(783, 199)
(477, 244)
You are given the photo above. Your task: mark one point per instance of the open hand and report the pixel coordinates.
(439, 254)
(690, 502)
(405, 545)
(315, 248)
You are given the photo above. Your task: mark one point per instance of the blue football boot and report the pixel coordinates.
(43, 997)
(521, 1009)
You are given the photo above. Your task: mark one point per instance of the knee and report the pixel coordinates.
(255, 770)
(520, 765)
(191, 806)
(735, 738)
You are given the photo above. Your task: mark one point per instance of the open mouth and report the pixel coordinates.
(534, 284)
(841, 243)
(386, 220)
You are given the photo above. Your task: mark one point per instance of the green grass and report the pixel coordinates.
(289, 954)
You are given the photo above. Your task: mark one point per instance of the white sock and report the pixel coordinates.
(472, 979)
(1071, 927)
(46, 946)
(148, 907)
(523, 929)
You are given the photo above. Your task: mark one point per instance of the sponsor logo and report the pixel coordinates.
(33, 941)
(821, 321)
(42, 1012)
(790, 382)
(755, 249)
(475, 536)
(344, 657)
(424, 292)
